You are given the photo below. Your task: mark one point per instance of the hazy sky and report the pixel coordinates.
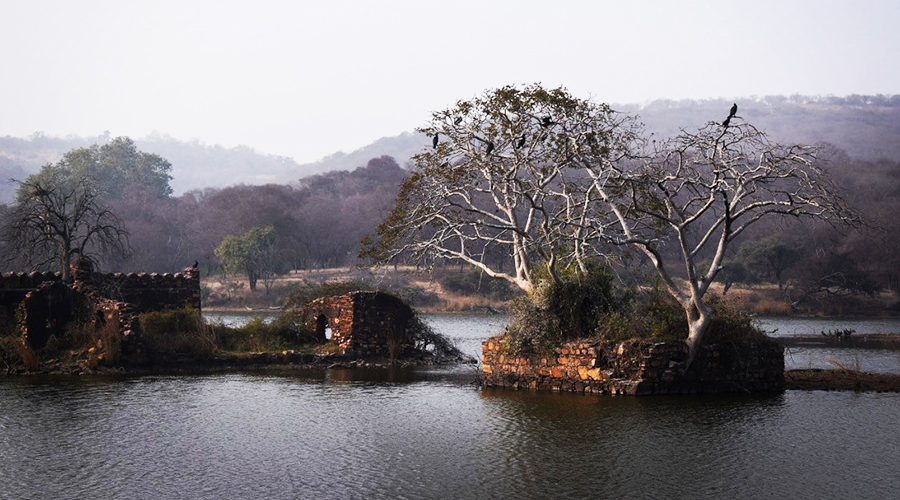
(305, 79)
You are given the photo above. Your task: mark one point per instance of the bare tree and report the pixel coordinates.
(503, 178)
(701, 191)
(57, 218)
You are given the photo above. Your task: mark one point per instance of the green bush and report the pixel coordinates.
(284, 332)
(177, 332)
(555, 313)
(590, 306)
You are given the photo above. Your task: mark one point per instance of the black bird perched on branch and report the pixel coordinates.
(546, 121)
(726, 122)
(196, 263)
(434, 142)
(490, 147)
(733, 110)
(520, 142)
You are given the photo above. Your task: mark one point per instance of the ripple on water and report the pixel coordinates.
(243, 436)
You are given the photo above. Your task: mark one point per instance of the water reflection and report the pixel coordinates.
(336, 436)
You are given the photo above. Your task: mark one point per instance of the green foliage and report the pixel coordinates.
(770, 256)
(114, 167)
(475, 282)
(248, 253)
(555, 313)
(167, 334)
(284, 332)
(594, 307)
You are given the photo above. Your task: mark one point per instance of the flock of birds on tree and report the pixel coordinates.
(546, 121)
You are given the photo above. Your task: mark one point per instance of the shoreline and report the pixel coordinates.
(800, 380)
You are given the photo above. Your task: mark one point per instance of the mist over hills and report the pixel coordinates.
(866, 127)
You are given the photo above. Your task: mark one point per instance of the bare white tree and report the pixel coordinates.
(503, 177)
(702, 190)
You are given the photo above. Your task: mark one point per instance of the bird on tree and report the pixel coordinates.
(490, 147)
(520, 142)
(726, 122)
(196, 263)
(434, 141)
(546, 121)
(733, 110)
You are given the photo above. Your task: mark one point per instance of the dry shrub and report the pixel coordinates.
(854, 372)
(110, 343)
(28, 357)
(771, 307)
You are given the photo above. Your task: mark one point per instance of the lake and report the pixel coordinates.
(429, 433)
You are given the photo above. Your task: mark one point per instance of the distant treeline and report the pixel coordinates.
(318, 220)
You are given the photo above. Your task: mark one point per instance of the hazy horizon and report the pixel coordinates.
(307, 80)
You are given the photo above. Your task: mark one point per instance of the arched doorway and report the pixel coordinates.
(323, 330)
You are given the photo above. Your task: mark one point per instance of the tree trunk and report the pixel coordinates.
(698, 321)
(251, 278)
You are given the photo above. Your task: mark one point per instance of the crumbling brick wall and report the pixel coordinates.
(41, 305)
(362, 323)
(638, 367)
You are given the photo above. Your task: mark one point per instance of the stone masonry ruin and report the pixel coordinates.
(361, 323)
(638, 367)
(42, 305)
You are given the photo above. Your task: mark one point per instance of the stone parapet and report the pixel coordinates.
(638, 367)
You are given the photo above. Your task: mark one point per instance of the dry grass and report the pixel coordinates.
(28, 357)
(462, 303)
(854, 372)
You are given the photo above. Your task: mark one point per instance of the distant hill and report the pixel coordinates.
(196, 165)
(866, 127)
(400, 147)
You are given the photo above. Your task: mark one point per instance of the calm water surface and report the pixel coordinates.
(431, 434)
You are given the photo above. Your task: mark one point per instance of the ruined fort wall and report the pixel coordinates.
(146, 291)
(15, 286)
(362, 323)
(638, 367)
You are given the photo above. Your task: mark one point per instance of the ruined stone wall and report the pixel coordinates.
(380, 324)
(335, 313)
(146, 291)
(362, 323)
(15, 286)
(638, 367)
(40, 305)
